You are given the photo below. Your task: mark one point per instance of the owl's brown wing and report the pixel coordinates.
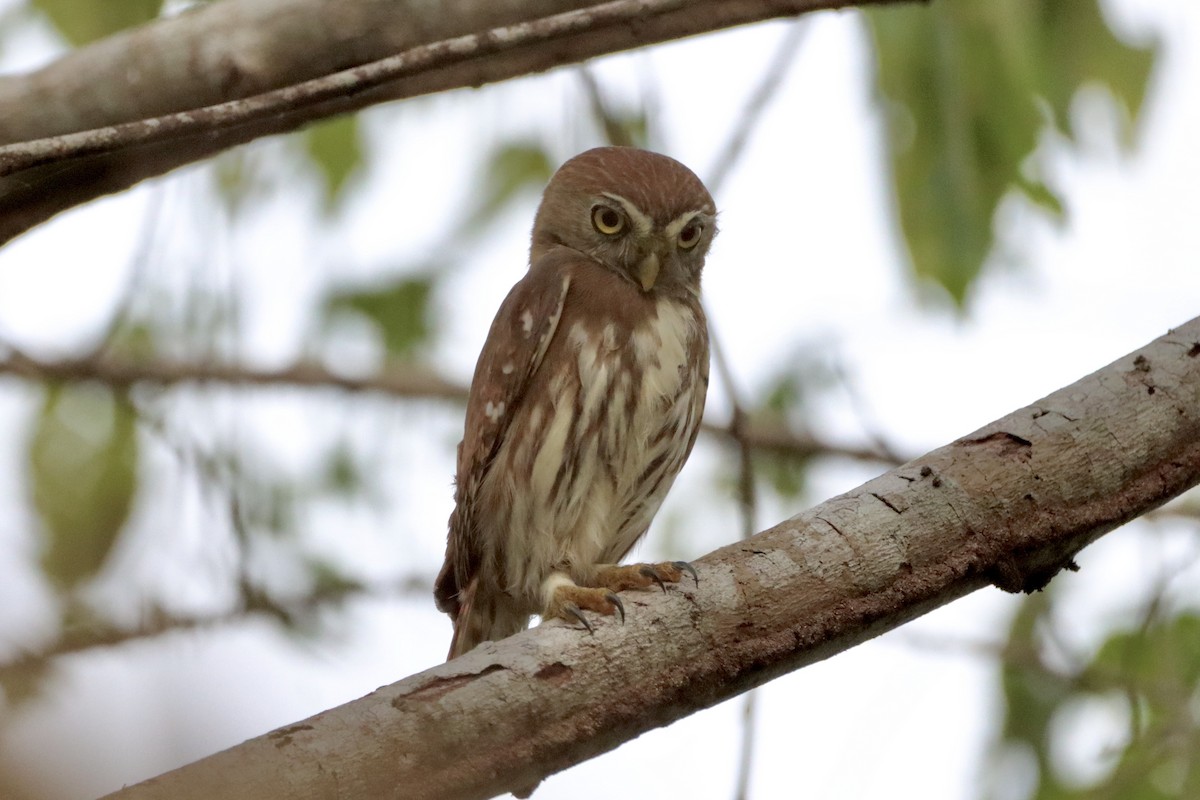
(512, 353)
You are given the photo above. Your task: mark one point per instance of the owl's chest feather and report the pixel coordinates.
(630, 381)
(618, 425)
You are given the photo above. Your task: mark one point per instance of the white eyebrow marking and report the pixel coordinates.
(682, 221)
(641, 221)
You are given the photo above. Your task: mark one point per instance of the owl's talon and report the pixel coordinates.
(650, 573)
(617, 604)
(575, 612)
(688, 568)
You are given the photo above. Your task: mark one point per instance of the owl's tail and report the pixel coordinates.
(483, 619)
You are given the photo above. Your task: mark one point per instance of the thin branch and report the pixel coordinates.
(748, 508)
(253, 602)
(413, 382)
(756, 105)
(615, 133)
(747, 498)
(858, 407)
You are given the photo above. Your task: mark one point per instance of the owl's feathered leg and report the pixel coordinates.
(483, 619)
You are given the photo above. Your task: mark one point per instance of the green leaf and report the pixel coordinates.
(1153, 669)
(969, 87)
(400, 311)
(82, 466)
(343, 473)
(1081, 48)
(511, 167)
(335, 147)
(83, 21)
(329, 582)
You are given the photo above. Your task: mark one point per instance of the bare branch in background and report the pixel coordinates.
(614, 132)
(252, 602)
(734, 146)
(226, 74)
(756, 105)
(747, 497)
(413, 382)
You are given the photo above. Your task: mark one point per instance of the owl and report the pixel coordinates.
(585, 402)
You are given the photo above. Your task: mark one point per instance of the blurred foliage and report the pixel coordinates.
(970, 85)
(1150, 671)
(784, 401)
(335, 147)
(239, 179)
(398, 310)
(83, 457)
(628, 127)
(83, 21)
(344, 474)
(787, 403)
(510, 168)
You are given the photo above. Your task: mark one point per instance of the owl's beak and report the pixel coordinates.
(647, 271)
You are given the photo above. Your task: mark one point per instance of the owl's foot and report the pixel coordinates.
(568, 601)
(643, 576)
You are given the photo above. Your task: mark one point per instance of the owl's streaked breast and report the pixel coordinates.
(617, 428)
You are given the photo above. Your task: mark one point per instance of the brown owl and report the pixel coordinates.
(586, 399)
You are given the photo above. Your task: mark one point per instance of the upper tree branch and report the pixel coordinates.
(1010, 505)
(146, 101)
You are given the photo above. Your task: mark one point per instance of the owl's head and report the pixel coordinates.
(642, 215)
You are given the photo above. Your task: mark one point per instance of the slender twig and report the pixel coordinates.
(615, 133)
(858, 408)
(730, 154)
(158, 621)
(414, 382)
(119, 372)
(748, 507)
(756, 104)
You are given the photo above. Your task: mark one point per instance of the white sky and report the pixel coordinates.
(807, 255)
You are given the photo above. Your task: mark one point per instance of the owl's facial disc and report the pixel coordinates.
(650, 247)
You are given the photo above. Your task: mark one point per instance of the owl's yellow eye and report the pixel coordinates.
(689, 235)
(607, 220)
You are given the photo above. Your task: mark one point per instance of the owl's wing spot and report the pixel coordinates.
(526, 322)
(494, 411)
(507, 368)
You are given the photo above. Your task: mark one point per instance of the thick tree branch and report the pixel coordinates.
(1010, 505)
(146, 101)
(409, 382)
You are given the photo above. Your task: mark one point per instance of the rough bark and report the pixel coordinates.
(237, 49)
(1010, 505)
